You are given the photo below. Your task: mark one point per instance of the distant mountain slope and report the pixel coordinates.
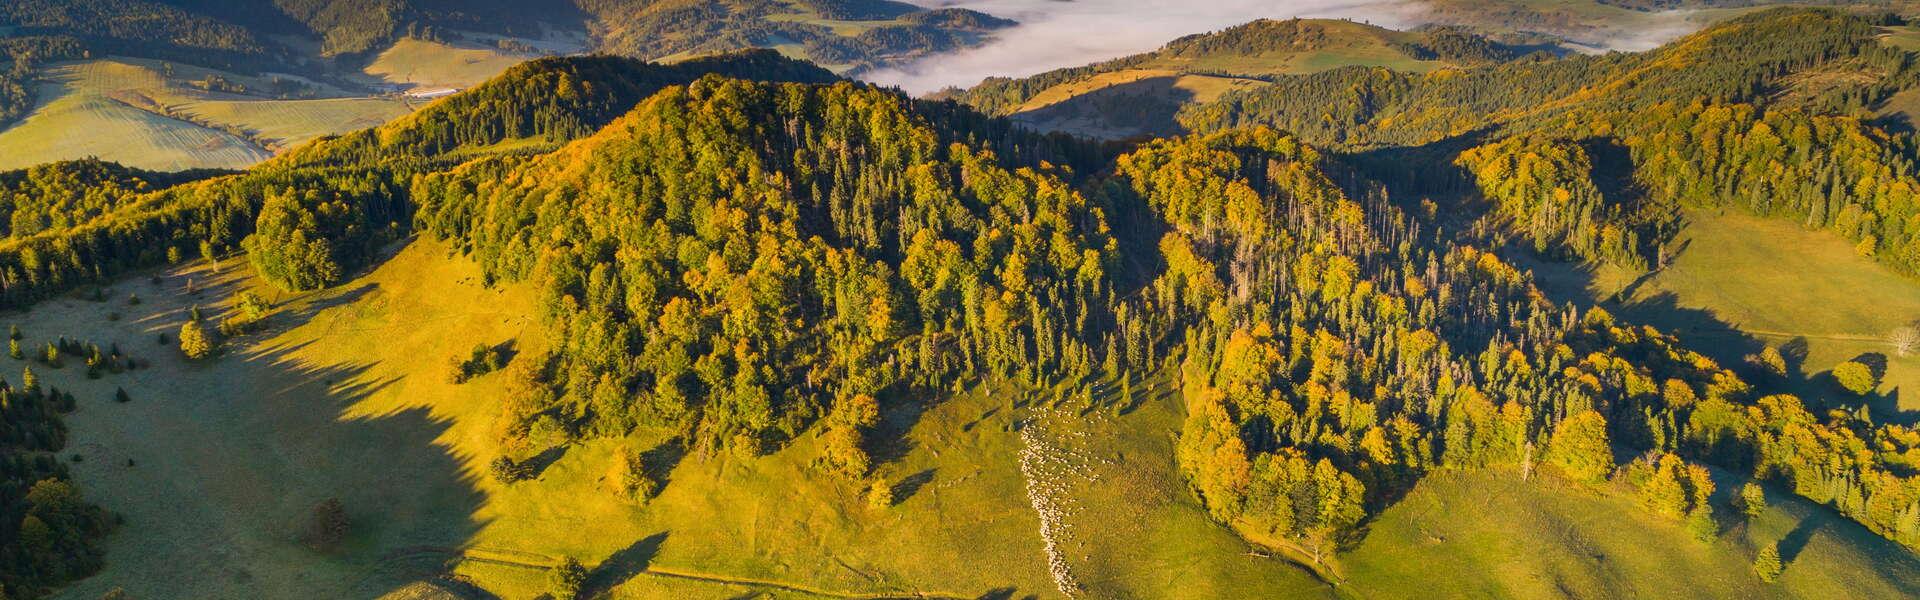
(1139, 95)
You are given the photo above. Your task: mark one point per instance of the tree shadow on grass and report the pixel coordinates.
(538, 463)
(622, 566)
(242, 446)
(911, 484)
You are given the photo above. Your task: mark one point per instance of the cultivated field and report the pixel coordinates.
(87, 109)
(144, 113)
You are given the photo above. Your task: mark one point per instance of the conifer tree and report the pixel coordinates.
(1767, 564)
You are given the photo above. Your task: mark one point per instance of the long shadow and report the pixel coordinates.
(241, 447)
(538, 463)
(1143, 108)
(661, 460)
(911, 485)
(622, 566)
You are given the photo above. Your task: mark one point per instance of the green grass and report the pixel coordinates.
(345, 396)
(1742, 281)
(1488, 534)
(284, 124)
(83, 109)
(134, 112)
(428, 65)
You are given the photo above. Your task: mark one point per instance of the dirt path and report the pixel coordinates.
(540, 562)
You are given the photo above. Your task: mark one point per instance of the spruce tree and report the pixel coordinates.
(1767, 565)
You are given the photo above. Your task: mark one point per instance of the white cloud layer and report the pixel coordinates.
(1059, 33)
(1066, 33)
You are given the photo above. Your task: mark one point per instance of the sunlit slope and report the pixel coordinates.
(1741, 282)
(345, 396)
(150, 114)
(84, 110)
(1491, 534)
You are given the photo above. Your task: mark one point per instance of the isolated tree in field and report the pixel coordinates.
(1905, 340)
(506, 471)
(1579, 447)
(879, 495)
(1855, 377)
(846, 434)
(13, 350)
(564, 581)
(327, 525)
(629, 476)
(194, 341)
(1770, 361)
(29, 381)
(1753, 499)
(52, 355)
(120, 395)
(1700, 523)
(1767, 564)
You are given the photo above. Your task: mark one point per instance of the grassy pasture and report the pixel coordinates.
(283, 124)
(89, 109)
(1488, 534)
(345, 396)
(1743, 281)
(420, 64)
(142, 113)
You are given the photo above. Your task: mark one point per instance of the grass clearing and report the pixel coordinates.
(420, 64)
(143, 113)
(1496, 536)
(1743, 281)
(284, 124)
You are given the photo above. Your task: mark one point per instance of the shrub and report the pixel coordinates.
(1855, 377)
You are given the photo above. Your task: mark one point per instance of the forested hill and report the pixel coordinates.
(541, 101)
(1139, 95)
(740, 251)
(1746, 114)
(1260, 50)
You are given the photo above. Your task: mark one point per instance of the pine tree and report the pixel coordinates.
(1579, 446)
(120, 395)
(564, 581)
(1767, 565)
(13, 350)
(194, 341)
(1753, 499)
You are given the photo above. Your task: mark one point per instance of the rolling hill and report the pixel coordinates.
(1408, 314)
(1139, 95)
